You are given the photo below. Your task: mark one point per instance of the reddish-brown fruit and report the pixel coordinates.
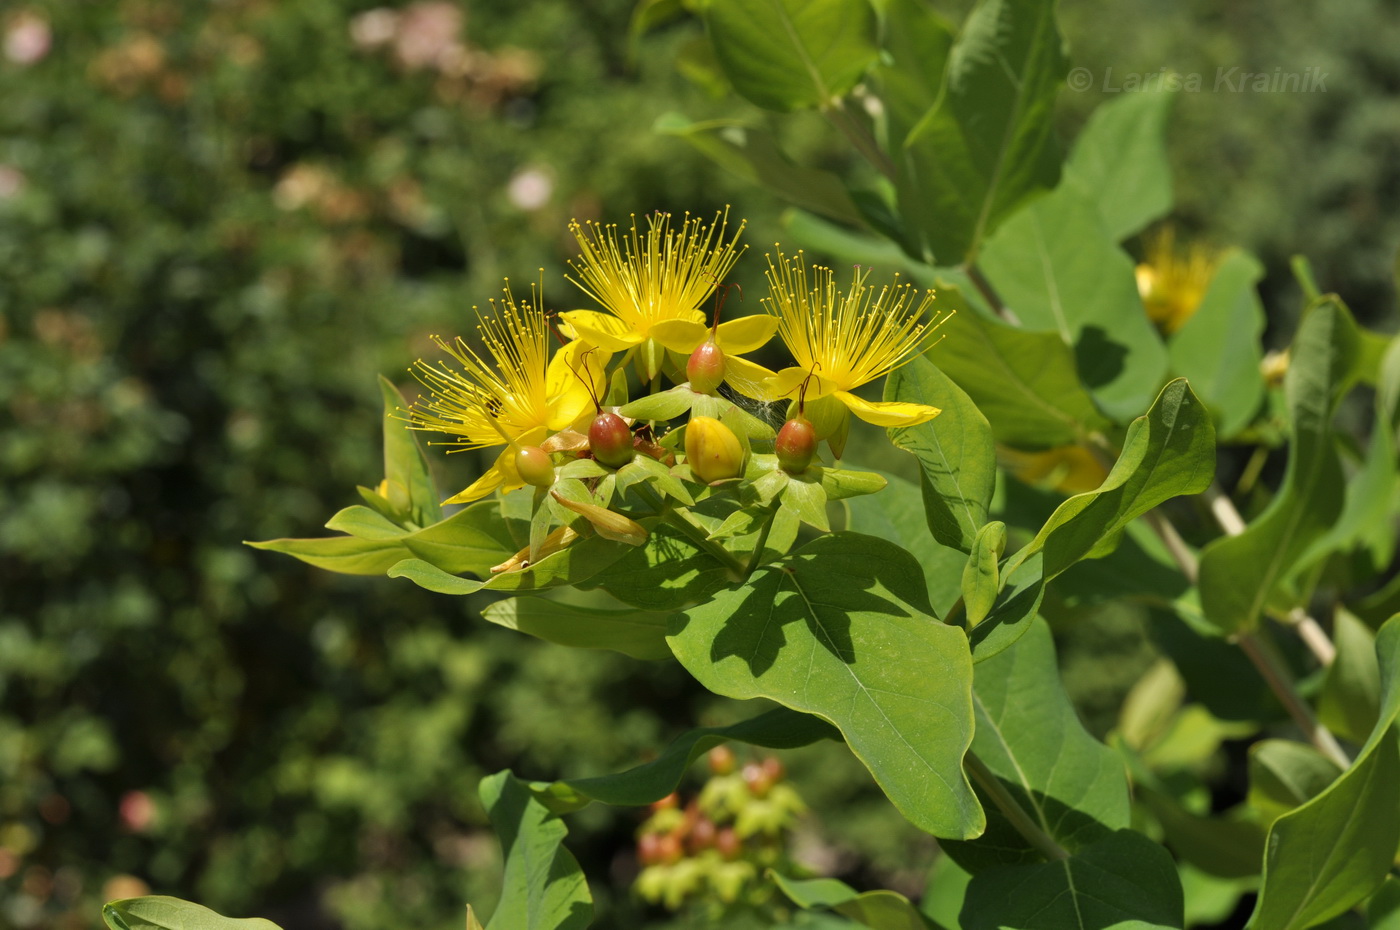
(671, 800)
(757, 779)
(773, 768)
(721, 760)
(702, 835)
(705, 368)
(535, 466)
(728, 843)
(649, 848)
(669, 849)
(796, 445)
(610, 440)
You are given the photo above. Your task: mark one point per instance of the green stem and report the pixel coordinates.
(1266, 659)
(996, 792)
(757, 556)
(692, 532)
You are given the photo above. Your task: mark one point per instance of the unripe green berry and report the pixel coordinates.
(534, 466)
(712, 450)
(705, 368)
(796, 445)
(610, 440)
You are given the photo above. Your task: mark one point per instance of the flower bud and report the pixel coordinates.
(705, 368)
(712, 450)
(610, 440)
(534, 466)
(796, 445)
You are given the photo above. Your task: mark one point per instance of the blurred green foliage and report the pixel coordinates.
(217, 224)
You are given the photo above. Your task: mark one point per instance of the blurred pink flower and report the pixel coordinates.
(374, 28)
(27, 38)
(11, 181)
(429, 35)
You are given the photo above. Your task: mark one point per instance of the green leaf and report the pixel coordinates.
(879, 910)
(158, 912)
(345, 554)
(807, 500)
(987, 144)
(1026, 384)
(981, 581)
(667, 405)
(789, 55)
(637, 633)
(1383, 910)
(779, 728)
(841, 629)
(957, 458)
(944, 893)
(364, 523)
(543, 887)
(1056, 266)
(1120, 159)
(1218, 348)
(1350, 700)
(1239, 574)
(896, 514)
(1335, 850)
(1285, 774)
(667, 572)
(916, 43)
(841, 483)
(1014, 609)
(1168, 452)
(572, 565)
(754, 155)
(404, 462)
(1074, 787)
(471, 540)
(1122, 881)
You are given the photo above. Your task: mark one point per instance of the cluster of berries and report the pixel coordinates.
(716, 846)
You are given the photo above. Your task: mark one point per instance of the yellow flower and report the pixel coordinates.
(1172, 281)
(842, 339)
(515, 395)
(1067, 469)
(653, 285)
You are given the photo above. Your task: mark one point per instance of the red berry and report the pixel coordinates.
(773, 768)
(671, 800)
(610, 440)
(721, 760)
(796, 445)
(649, 848)
(702, 835)
(669, 849)
(705, 368)
(757, 779)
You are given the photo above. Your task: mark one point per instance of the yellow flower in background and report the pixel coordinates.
(1172, 281)
(1067, 469)
(514, 395)
(842, 339)
(654, 284)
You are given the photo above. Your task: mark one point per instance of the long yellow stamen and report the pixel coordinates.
(489, 402)
(660, 276)
(845, 337)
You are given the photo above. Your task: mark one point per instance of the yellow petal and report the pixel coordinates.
(602, 329)
(479, 488)
(788, 383)
(568, 381)
(888, 412)
(679, 335)
(746, 333)
(750, 378)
